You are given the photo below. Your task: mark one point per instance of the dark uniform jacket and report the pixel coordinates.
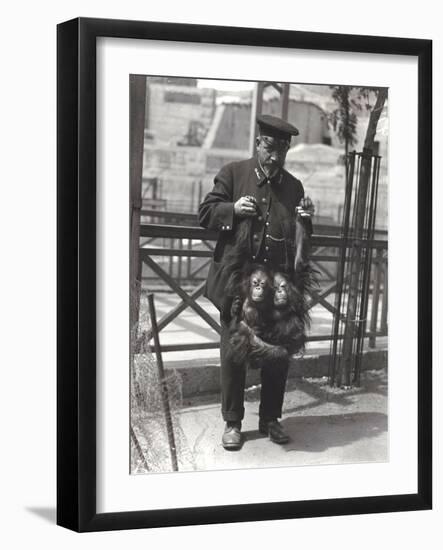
(273, 229)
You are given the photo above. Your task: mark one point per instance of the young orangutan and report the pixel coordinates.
(289, 316)
(268, 311)
(251, 318)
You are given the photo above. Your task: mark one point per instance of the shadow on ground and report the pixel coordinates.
(319, 433)
(46, 513)
(320, 391)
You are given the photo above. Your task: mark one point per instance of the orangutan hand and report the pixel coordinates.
(236, 306)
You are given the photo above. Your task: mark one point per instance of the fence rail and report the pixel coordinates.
(176, 257)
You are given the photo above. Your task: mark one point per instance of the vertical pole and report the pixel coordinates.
(147, 105)
(179, 261)
(200, 192)
(139, 449)
(163, 384)
(334, 373)
(384, 303)
(137, 96)
(356, 255)
(137, 99)
(285, 101)
(171, 258)
(375, 298)
(193, 208)
(189, 266)
(370, 227)
(256, 109)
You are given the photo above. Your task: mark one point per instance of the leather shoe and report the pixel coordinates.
(274, 430)
(232, 438)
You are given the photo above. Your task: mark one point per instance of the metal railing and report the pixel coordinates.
(175, 258)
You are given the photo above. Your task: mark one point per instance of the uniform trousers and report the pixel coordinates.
(233, 379)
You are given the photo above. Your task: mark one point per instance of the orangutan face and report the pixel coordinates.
(281, 295)
(260, 286)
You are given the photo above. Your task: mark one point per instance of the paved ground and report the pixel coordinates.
(327, 426)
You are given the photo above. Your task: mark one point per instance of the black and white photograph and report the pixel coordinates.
(258, 274)
(221, 275)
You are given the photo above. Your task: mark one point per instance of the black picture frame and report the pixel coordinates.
(76, 265)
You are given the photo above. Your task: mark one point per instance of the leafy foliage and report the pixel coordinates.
(343, 120)
(351, 101)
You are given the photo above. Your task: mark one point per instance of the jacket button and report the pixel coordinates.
(267, 223)
(228, 227)
(265, 260)
(263, 200)
(266, 247)
(260, 218)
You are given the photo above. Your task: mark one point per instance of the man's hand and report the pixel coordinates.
(245, 207)
(306, 208)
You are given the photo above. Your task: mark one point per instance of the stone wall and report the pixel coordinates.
(185, 174)
(322, 172)
(171, 109)
(233, 123)
(310, 120)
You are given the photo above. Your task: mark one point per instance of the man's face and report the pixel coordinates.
(271, 153)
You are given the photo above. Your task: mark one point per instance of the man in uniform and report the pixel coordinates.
(259, 188)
